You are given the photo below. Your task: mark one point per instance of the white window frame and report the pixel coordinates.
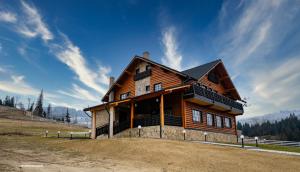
(196, 115)
(155, 86)
(218, 121)
(209, 121)
(227, 122)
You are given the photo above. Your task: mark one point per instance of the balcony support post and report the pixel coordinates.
(131, 114)
(162, 115)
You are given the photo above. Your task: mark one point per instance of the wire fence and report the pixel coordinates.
(270, 142)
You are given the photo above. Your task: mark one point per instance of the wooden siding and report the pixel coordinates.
(127, 85)
(218, 87)
(173, 101)
(167, 78)
(203, 125)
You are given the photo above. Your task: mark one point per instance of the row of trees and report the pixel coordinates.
(285, 129)
(36, 108)
(8, 101)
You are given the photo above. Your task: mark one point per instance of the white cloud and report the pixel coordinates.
(172, 57)
(80, 93)
(71, 55)
(254, 42)
(33, 24)
(8, 17)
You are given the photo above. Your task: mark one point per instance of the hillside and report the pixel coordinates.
(22, 142)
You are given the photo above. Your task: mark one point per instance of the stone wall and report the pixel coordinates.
(175, 133)
(101, 118)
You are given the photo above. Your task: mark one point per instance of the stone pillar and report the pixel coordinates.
(111, 121)
(93, 125)
(111, 109)
(162, 115)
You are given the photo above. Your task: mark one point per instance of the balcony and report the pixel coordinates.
(202, 96)
(142, 75)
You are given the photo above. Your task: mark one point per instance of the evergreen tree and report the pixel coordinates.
(68, 118)
(285, 129)
(44, 114)
(0, 102)
(31, 107)
(49, 111)
(12, 102)
(6, 101)
(38, 111)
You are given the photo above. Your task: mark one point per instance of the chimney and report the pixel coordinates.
(111, 81)
(146, 55)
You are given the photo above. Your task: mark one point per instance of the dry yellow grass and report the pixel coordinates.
(129, 154)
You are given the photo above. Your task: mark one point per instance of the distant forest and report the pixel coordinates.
(285, 129)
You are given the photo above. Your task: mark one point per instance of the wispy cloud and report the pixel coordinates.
(9, 17)
(172, 56)
(71, 55)
(80, 93)
(252, 41)
(33, 25)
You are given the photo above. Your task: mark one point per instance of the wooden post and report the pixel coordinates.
(162, 115)
(93, 125)
(131, 114)
(183, 111)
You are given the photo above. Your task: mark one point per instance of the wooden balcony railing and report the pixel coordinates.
(214, 97)
(142, 75)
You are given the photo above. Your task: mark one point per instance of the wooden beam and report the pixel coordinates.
(162, 115)
(229, 89)
(131, 114)
(119, 85)
(183, 111)
(127, 72)
(224, 77)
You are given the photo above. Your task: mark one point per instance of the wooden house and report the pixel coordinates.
(201, 102)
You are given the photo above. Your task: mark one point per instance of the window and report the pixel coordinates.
(197, 116)
(209, 119)
(147, 88)
(219, 121)
(148, 67)
(137, 71)
(157, 87)
(124, 95)
(228, 122)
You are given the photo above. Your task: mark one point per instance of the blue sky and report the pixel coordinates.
(70, 48)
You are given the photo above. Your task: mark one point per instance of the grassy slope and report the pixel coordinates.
(126, 154)
(279, 148)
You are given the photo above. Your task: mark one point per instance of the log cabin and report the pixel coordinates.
(152, 100)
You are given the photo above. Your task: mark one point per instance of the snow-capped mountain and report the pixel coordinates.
(272, 117)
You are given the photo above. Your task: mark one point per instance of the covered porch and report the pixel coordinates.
(154, 109)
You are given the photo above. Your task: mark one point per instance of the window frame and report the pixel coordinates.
(148, 67)
(229, 122)
(212, 119)
(137, 70)
(154, 86)
(221, 123)
(127, 94)
(148, 86)
(200, 116)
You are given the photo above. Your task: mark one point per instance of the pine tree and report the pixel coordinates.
(0, 102)
(38, 111)
(49, 111)
(6, 101)
(12, 102)
(31, 107)
(44, 114)
(68, 118)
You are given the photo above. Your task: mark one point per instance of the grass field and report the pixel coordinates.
(27, 146)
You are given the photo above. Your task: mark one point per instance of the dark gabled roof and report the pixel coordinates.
(199, 71)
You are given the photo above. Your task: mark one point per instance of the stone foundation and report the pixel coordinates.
(175, 133)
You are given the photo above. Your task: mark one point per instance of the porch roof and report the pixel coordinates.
(140, 97)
